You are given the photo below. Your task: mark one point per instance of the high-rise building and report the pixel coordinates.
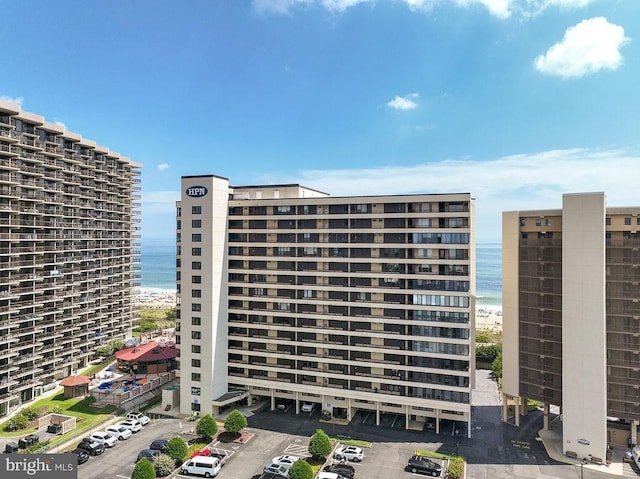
(68, 229)
(341, 304)
(571, 329)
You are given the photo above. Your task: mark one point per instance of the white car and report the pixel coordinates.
(329, 475)
(350, 453)
(286, 461)
(109, 440)
(307, 407)
(138, 416)
(277, 469)
(119, 431)
(135, 426)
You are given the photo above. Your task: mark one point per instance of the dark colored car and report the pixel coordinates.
(345, 470)
(92, 447)
(159, 445)
(423, 465)
(148, 454)
(268, 475)
(82, 455)
(200, 439)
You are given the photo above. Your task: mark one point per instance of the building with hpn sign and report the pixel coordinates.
(68, 257)
(571, 328)
(347, 305)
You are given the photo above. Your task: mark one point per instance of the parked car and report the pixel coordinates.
(202, 466)
(92, 447)
(204, 452)
(159, 445)
(132, 424)
(138, 416)
(285, 404)
(148, 454)
(199, 439)
(307, 407)
(222, 457)
(268, 475)
(350, 453)
(109, 440)
(286, 461)
(121, 432)
(343, 469)
(329, 475)
(82, 455)
(423, 465)
(277, 469)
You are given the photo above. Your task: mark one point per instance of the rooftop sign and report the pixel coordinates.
(196, 191)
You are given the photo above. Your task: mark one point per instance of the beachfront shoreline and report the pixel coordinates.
(155, 297)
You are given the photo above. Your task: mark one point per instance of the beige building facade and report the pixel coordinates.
(347, 304)
(68, 257)
(572, 318)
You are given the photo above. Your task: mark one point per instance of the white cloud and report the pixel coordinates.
(163, 167)
(404, 102)
(588, 47)
(13, 99)
(284, 7)
(517, 182)
(497, 8)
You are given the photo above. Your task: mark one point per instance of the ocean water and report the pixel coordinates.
(158, 261)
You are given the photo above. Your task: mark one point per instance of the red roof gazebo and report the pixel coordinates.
(148, 358)
(75, 386)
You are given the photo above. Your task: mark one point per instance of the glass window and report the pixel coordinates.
(196, 210)
(196, 252)
(178, 224)
(196, 293)
(195, 376)
(608, 220)
(195, 334)
(196, 237)
(196, 307)
(195, 391)
(196, 279)
(195, 363)
(547, 222)
(522, 222)
(538, 222)
(196, 265)
(196, 223)
(627, 221)
(195, 348)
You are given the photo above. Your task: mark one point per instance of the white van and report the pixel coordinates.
(202, 466)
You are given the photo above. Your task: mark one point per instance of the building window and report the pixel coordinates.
(196, 307)
(195, 363)
(195, 406)
(195, 334)
(608, 220)
(638, 221)
(195, 391)
(196, 237)
(525, 235)
(195, 348)
(178, 224)
(627, 221)
(196, 265)
(196, 279)
(538, 222)
(283, 210)
(195, 321)
(196, 210)
(522, 222)
(307, 293)
(195, 377)
(178, 211)
(196, 293)
(547, 222)
(196, 223)
(196, 252)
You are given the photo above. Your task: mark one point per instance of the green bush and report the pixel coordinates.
(146, 325)
(235, 421)
(164, 465)
(177, 449)
(56, 410)
(301, 470)
(31, 413)
(487, 354)
(207, 426)
(17, 422)
(143, 470)
(482, 338)
(496, 366)
(37, 446)
(456, 468)
(170, 315)
(320, 444)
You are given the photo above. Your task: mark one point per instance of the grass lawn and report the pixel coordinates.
(91, 370)
(86, 415)
(351, 442)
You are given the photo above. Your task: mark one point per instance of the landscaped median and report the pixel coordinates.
(456, 465)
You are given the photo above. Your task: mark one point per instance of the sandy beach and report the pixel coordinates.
(489, 317)
(155, 297)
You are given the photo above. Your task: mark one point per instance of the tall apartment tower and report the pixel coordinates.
(349, 304)
(68, 228)
(572, 316)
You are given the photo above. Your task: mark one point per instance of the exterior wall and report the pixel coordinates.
(209, 293)
(328, 300)
(510, 310)
(68, 239)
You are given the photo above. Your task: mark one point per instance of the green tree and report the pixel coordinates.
(301, 470)
(143, 470)
(170, 315)
(17, 422)
(31, 413)
(164, 465)
(207, 426)
(235, 421)
(176, 448)
(496, 365)
(320, 445)
(456, 468)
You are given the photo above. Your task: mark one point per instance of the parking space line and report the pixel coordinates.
(297, 450)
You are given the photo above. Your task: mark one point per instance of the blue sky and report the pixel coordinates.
(515, 101)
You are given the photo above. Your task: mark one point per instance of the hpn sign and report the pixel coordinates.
(196, 191)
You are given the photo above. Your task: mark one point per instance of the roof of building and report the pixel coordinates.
(147, 352)
(75, 381)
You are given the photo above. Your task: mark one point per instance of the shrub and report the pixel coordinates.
(487, 354)
(496, 366)
(38, 446)
(143, 470)
(235, 421)
(177, 449)
(31, 413)
(320, 444)
(164, 465)
(170, 315)
(456, 468)
(56, 410)
(207, 426)
(301, 470)
(17, 422)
